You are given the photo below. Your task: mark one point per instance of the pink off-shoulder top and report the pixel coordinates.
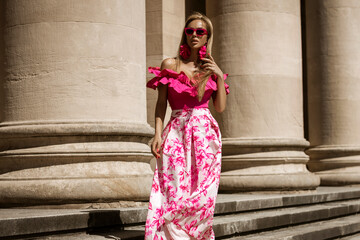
(181, 94)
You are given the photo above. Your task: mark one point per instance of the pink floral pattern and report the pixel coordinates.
(186, 178)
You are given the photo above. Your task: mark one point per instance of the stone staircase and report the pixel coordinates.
(327, 213)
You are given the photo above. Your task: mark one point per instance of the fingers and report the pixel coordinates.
(208, 63)
(158, 150)
(207, 60)
(208, 66)
(211, 57)
(155, 149)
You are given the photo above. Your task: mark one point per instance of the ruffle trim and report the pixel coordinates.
(180, 81)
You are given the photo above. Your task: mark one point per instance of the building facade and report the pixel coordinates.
(76, 119)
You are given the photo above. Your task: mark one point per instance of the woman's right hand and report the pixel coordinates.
(155, 146)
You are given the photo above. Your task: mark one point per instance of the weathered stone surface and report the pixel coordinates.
(15, 222)
(96, 205)
(253, 212)
(73, 106)
(230, 203)
(272, 218)
(333, 59)
(258, 43)
(320, 230)
(164, 23)
(355, 236)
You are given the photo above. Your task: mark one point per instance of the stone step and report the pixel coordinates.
(320, 230)
(355, 236)
(239, 223)
(117, 233)
(230, 203)
(22, 222)
(275, 218)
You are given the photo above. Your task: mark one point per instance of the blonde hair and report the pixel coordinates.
(201, 75)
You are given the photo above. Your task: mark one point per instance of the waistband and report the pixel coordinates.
(192, 111)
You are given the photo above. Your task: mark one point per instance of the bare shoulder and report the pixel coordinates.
(168, 63)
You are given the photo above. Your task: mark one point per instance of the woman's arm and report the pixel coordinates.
(160, 110)
(220, 95)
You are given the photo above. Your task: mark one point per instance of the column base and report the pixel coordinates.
(265, 165)
(335, 165)
(340, 177)
(263, 182)
(76, 183)
(67, 163)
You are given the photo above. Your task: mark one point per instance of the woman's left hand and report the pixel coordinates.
(212, 66)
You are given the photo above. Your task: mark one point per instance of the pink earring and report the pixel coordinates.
(185, 51)
(202, 52)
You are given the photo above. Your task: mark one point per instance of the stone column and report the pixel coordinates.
(2, 59)
(164, 24)
(333, 63)
(258, 42)
(74, 123)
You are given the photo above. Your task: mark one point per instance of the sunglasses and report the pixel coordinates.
(199, 31)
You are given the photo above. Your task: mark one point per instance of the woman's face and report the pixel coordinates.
(193, 40)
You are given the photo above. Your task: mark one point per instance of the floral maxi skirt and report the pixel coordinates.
(186, 178)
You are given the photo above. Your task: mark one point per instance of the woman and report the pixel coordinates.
(188, 150)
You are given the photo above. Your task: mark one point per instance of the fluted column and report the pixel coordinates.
(74, 126)
(333, 63)
(258, 42)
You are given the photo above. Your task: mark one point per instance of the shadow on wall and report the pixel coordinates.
(194, 6)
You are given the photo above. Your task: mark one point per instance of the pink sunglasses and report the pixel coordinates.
(199, 31)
